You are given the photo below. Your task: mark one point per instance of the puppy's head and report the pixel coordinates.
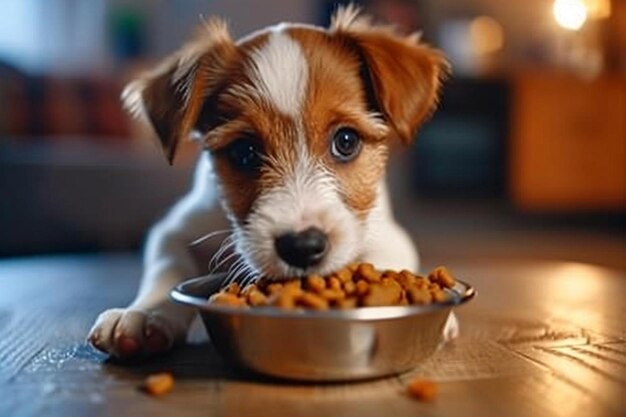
(297, 120)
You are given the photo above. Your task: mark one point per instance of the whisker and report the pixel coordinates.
(226, 244)
(234, 270)
(249, 272)
(208, 236)
(249, 277)
(223, 261)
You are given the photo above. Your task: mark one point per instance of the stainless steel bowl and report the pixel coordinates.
(322, 345)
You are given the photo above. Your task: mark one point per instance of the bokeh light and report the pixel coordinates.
(570, 14)
(487, 35)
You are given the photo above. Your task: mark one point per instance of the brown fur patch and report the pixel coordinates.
(171, 96)
(406, 74)
(336, 98)
(244, 113)
(277, 134)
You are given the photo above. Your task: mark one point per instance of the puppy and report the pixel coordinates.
(297, 122)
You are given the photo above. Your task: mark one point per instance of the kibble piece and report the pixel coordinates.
(394, 284)
(333, 283)
(442, 276)
(353, 267)
(158, 384)
(406, 279)
(421, 282)
(256, 298)
(227, 299)
(282, 301)
(311, 300)
(362, 287)
(346, 303)
(387, 281)
(295, 284)
(344, 275)
(349, 287)
(388, 273)
(422, 389)
(232, 288)
(383, 294)
(368, 272)
(419, 296)
(332, 295)
(274, 288)
(438, 295)
(315, 282)
(286, 298)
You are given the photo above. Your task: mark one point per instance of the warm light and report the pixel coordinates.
(575, 289)
(570, 14)
(575, 282)
(598, 9)
(486, 35)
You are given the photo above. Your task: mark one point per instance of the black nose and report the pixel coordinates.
(302, 249)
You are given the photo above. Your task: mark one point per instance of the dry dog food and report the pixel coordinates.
(422, 389)
(158, 384)
(357, 285)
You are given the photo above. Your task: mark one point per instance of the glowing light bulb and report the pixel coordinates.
(570, 14)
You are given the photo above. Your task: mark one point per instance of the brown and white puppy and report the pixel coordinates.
(297, 122)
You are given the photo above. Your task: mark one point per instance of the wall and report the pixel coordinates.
(74, 36)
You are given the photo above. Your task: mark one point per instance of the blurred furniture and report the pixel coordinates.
(64, 194)
(47, 106)
(73, 177)
(462, 150)
(615, 36)
(568, 144)
(535, 341)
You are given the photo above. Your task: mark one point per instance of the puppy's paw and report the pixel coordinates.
(126, 332)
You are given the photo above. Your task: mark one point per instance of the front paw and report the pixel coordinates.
(126, 332)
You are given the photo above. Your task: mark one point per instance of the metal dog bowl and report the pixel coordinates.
(326, 345)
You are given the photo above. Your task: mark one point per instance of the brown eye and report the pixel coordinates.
(244, 155)
(346, 144)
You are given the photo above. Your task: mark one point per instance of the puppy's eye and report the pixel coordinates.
(346, 144)
(244, 155)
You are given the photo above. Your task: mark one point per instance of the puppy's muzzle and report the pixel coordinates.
(302, 249)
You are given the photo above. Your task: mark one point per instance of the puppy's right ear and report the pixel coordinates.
(401, 75)
(171, 96)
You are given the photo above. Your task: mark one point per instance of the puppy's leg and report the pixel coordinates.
(393, 249)
(388, 246)
(152, 323)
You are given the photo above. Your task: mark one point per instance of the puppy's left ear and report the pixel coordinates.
(171, 97)
(402, 76)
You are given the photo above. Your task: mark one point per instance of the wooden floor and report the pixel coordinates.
(541, 339)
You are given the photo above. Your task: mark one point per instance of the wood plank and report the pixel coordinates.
(534, 342)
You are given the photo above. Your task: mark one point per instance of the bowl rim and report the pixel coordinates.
(463, 291)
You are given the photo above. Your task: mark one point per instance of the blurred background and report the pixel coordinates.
(526, 157)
